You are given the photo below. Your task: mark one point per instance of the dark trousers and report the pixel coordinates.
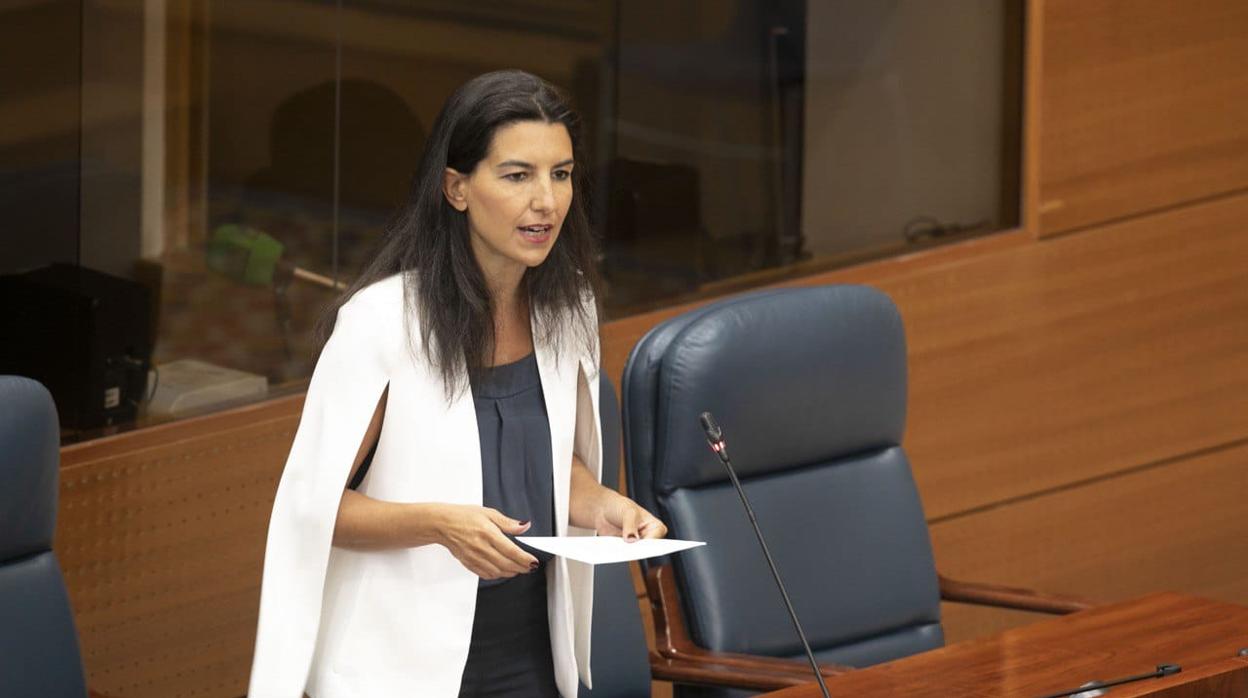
(510, 654)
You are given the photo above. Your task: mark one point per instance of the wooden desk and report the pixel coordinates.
(1104, 643)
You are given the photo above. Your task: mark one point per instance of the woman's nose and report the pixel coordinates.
(543, 197)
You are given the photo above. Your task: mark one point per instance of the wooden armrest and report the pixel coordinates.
(1009, 597)
(712, 674)
(678, 659)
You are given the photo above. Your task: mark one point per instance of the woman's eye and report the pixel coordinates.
(516, 176)
(561, 175)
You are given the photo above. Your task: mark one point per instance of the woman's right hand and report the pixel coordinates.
(477, 537)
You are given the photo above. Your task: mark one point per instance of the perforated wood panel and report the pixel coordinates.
(162, 549)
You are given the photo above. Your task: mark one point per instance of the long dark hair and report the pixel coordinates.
(429, 238)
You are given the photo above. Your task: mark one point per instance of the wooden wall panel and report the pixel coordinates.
(1143, 105)
(1078, 357)
(1179, 525)
(161, 539)
(1038, 366)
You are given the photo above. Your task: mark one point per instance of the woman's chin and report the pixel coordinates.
(532, 255)
(536, 261)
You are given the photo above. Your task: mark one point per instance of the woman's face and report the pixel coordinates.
(517, 197)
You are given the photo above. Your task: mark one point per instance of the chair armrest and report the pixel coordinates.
(1009, 597)
(679, 660)
(708, 673)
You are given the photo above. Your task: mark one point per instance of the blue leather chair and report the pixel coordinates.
(809, 386)
(622, 666)
(39, 655)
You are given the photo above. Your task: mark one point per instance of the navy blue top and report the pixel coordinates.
(516, 462)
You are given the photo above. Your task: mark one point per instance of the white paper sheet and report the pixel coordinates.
(600, 550)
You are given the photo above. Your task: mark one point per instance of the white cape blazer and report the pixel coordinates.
(347, 624)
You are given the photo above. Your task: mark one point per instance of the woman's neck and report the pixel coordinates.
(506, 295)
(513, 336)
(503, 278)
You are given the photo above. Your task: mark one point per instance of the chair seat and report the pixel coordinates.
(848, 537)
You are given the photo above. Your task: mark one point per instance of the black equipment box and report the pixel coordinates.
(84, 334)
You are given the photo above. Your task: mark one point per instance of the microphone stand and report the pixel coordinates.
(715, 437)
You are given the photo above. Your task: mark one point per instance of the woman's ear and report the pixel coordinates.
(453, 187)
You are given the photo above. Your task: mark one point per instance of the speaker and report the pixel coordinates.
(84, 334)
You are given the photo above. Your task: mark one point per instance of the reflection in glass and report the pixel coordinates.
(227, 163)
(912, 123)
(708, 145)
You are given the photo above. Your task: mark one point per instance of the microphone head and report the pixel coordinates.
(713, 433)
(244, 254)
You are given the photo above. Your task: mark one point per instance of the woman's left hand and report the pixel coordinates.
(590, 505)
(621, 516)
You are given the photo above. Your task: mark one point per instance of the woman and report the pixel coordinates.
(471, 341)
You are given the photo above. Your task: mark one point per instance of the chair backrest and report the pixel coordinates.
(619, 659)
(809, 386)
(39, 653)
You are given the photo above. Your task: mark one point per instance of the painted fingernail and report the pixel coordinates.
(631, 537)
(524, 523)
(532, 566)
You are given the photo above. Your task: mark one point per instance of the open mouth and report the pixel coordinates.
(535, 233)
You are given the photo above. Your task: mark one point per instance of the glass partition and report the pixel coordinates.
(187, 182)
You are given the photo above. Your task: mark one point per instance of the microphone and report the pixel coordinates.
(254, 257)
(715, 437)
(1093, 688)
